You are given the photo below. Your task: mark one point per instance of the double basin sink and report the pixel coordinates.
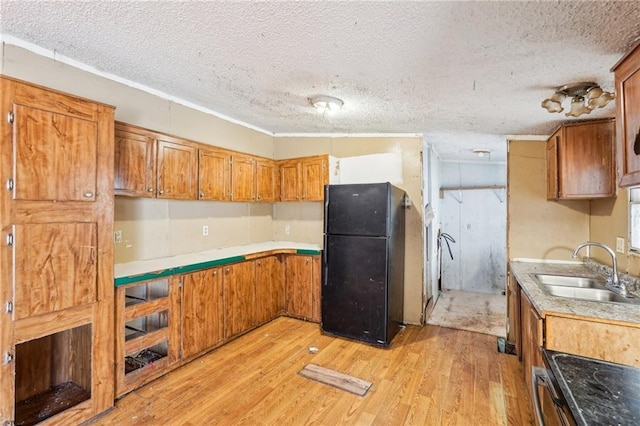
(582, 288)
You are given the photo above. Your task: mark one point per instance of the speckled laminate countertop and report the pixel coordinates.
(125, 273)
(546, 304)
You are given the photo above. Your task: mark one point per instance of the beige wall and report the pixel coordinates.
(305, 219)
(538, 228)
(608, 220)
(157, 228)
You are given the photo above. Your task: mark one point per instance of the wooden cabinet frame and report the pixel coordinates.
(627, 81)
(581, 161)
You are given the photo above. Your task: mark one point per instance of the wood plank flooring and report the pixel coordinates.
(429, 376)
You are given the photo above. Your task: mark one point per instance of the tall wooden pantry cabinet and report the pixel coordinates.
(56, 256)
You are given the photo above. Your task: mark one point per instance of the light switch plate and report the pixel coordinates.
(117, 237)
(205, 230)
(620, 244)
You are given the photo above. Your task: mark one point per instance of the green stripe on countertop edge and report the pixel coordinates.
(177, 270)
(305, 251)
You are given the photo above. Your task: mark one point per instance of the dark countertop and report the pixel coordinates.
(597, 392)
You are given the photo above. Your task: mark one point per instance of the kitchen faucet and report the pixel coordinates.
(613, 279)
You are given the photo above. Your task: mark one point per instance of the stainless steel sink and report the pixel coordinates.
(569, 281)
(582, 288)
(596, 294)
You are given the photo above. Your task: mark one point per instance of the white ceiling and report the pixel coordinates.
(463, 73)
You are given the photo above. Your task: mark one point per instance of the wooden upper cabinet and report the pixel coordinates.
(289, 180)
(314, 177)
(177, 170)
(267, 187)
(54, 155)
(627, 78)
(584, 160)
(214, 177)
(303, 179)
(243, 178)
(552, 166)
(135, 162)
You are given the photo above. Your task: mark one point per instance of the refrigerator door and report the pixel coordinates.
(359, 209)
(354, 288)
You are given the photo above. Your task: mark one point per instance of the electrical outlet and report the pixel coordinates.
(620, 244)
(117, 237)
(205, 230)
(287, 229)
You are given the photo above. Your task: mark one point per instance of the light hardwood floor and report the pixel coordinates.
(429, 376)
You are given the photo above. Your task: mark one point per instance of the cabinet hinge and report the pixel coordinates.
(10, 184)
(10, 117)
(8, 358)
(8, 307)
(179, 284)
(179, 353)
(9, 239)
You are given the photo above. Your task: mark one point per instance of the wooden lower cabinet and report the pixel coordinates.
(269, 288)
(302, 286)
(593, 338)
(147, 331)
(239, 298)
(532, 340)
(202, 311)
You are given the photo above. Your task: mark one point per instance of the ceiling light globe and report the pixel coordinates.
(578, 107)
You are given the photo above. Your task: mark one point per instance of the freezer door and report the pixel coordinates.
(361, 209)
(354, 288)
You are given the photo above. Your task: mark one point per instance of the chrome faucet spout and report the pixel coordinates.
(614, 274)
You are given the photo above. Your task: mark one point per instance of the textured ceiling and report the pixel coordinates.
(463, 73)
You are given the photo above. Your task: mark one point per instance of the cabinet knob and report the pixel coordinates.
(88, 194)
(215, 272)
(161, 192)
(149, 189)
(201, 194)
(227, 270)
(259, 262)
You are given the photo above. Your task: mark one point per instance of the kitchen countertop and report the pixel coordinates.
(597, 392)
(546, 304)
(126, 273)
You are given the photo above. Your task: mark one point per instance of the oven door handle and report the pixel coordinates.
(540, 377)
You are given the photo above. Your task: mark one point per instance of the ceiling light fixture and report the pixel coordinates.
(324, 103)
(585, 97)
(481, 152)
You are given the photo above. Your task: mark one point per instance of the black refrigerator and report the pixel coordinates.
(363, 262)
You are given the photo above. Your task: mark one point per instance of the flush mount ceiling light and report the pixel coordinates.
(324, 103)
(585, 97)
(481, 152)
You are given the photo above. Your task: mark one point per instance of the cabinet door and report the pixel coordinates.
(55, 267)
(269, 288)
(531, 340)
(214, 178)
(513, 313)
(299, 286)
(314, 178)
(316, 283)
(586, 166)
(135, 170)
(627, 76)
(177, 170)
(289, 181)
(267, 181)
(552, 165)
(202, 311)
(239, 298)
(243, 178)
(54, 155)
